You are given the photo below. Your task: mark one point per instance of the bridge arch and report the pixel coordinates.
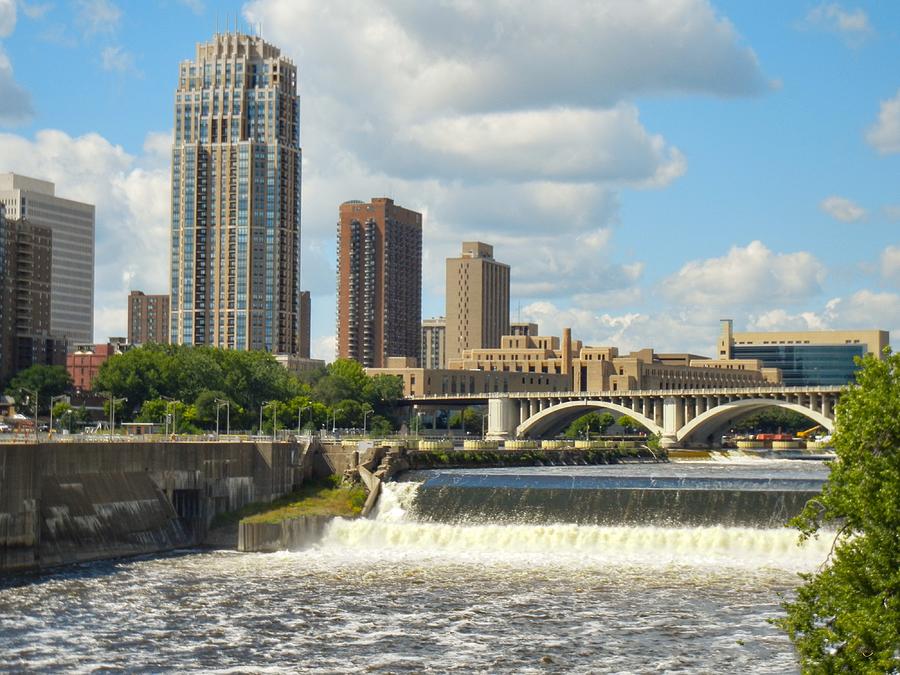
(540, 422)
(711, 417)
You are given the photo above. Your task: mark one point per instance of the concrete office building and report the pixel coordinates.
(379, 281)
(148, 318)
(305, 321)
(26, 292)
(72, 224)
(477, 301)
(804, 357)
(434, 343)
(235, 256)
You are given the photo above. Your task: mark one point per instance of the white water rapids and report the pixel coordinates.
(392, 531)
(392, 594)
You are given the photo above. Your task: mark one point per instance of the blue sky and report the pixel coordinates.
(645, 167)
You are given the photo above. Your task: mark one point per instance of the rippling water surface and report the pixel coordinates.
(395, 595)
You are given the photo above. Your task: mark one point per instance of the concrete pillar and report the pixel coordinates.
(523, 411)
(503, 416)
(673, 420)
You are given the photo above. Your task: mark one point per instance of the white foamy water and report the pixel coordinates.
(395, 595)
(392, 529)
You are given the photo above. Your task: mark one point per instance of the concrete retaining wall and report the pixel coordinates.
(288, 535)
(69, 502)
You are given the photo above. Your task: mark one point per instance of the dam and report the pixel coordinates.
(491, 570)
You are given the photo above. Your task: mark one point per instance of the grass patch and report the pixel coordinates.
(316, 498)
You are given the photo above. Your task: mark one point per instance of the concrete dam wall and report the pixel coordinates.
(70, 502)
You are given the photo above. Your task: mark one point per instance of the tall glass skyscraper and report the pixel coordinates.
(236, 198)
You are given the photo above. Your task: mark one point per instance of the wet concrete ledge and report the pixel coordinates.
(62, 503)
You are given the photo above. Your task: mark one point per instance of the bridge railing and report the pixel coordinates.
(628, 393)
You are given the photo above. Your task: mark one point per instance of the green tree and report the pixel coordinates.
(584, 425)
(773, 420)
(46, 381)
(469, 419)
(62, 415)
(846, 617)
(628, 424)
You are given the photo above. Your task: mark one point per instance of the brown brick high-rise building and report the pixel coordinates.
(148, 318)
(477, 299)
(25, 291)
(379, 281)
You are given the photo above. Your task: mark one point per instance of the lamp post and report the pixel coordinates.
(113, 401)
(61, 397)
(366, 412)
(32, 392)
(261, 406)
(174, 408)
(300, 417)
(219, 403)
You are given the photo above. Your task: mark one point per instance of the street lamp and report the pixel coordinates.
(32, 392)
(300, 417)
(61, 397)
(219, 403)
(169, 404)
(261, 407)
(113, 401)
(366, 412)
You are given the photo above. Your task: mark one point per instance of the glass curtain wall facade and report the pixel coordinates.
(235, 249)
(806, 365)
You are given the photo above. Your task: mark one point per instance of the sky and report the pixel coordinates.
(646, 167)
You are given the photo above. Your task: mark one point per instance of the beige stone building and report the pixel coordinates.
(477, 299)
(434, 343)
(596, 369)
(442, 381)
(804, 357)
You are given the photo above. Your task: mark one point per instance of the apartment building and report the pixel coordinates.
(148, 318)
(434, 343)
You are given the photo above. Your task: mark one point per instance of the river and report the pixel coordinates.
(402, 593)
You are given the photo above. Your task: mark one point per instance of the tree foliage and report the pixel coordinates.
(196, 376)
(773, 420)
(584, 425)
(846, 617)
(469, 419)
(46, 381)
(628, 424)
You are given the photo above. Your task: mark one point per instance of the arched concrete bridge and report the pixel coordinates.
(679, 417)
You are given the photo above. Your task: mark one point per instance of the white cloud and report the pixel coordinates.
(782, 320)
(867, 309)
(852, 24)
(132, 199)
(749, 276)
(196, 6)
(15, 101)
(890, 265)
(324, 348)
(36, 10)
(116, 59)
(884, 134)
(7, 17)
(562, 144)
(436, 105)
(97, 16)
(843, 209)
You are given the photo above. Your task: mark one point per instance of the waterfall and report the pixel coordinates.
(396, 528)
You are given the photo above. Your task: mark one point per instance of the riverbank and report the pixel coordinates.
(298, 519)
